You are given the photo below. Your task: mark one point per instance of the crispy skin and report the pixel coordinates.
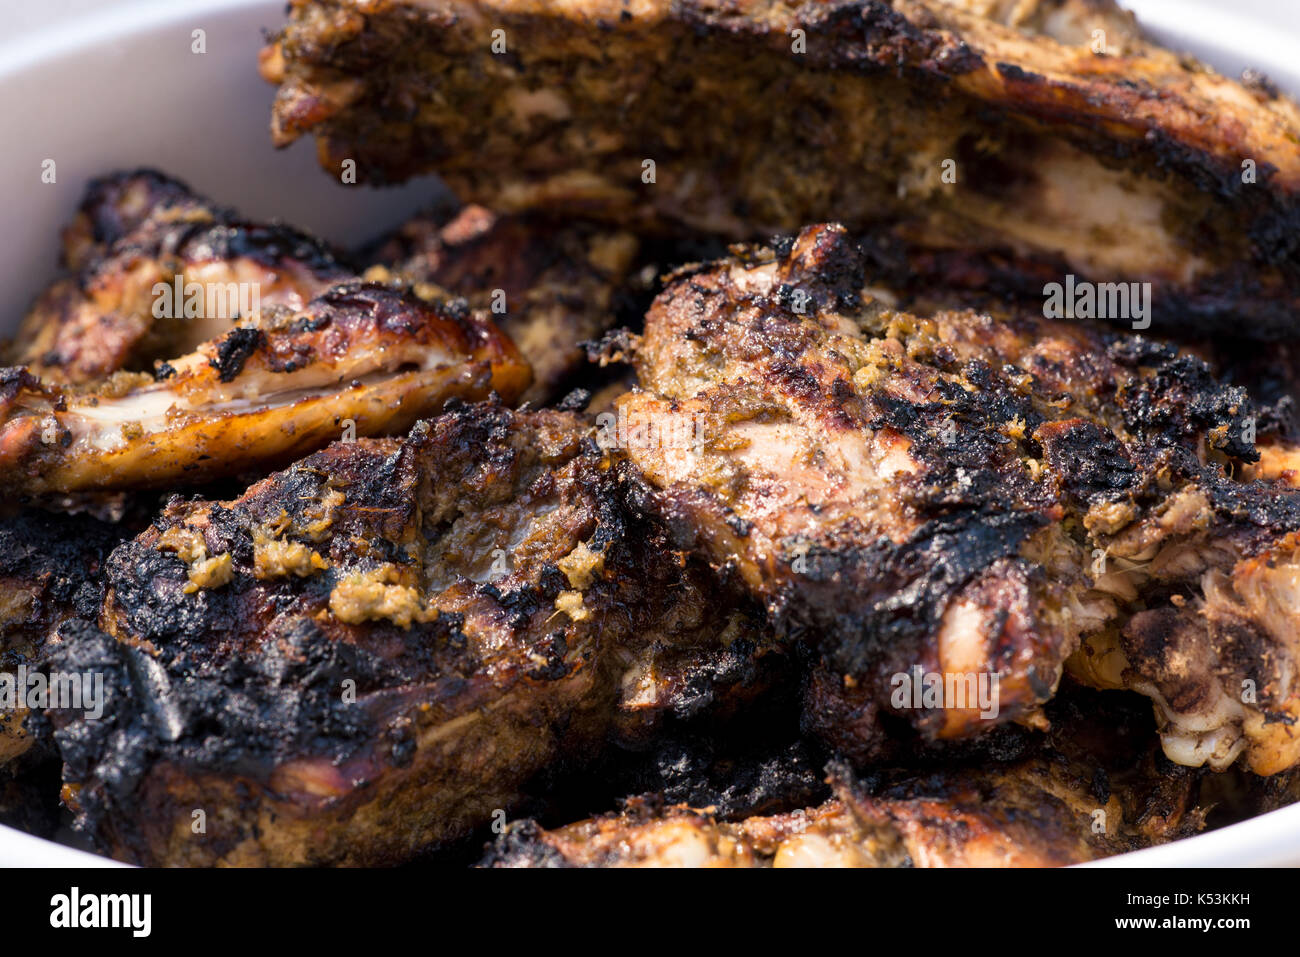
(1038, 810)
(1127, 165)
(1193, 659)
(550, 286)
(937, 492)
(1271, 375)
(259, 395)
(135, 229)
(480, 585)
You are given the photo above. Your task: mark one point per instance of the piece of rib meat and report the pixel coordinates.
(1012, 139)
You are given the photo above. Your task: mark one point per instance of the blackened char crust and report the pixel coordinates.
(362, 657)
(1093, 786)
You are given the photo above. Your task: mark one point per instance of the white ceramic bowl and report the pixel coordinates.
(119, 87)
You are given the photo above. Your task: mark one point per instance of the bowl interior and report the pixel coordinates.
(120, 89)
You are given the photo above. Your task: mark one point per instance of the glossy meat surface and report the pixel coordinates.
(359, 359)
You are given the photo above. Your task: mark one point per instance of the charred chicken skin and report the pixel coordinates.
(1029, 815)
(363, 657)
(959, 497)
(1028, 141)
(549, 286)
(361, 356)
(51, 570)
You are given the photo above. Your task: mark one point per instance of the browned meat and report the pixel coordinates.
(955, 498)
(360, 359)
(365, 656)
(1003, 139)
(138, 229)
(550, 286)
(1088, 792)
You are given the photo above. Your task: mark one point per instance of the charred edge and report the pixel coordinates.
(235, 348)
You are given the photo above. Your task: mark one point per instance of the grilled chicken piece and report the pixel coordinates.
(360, 355)
(51, 569)
(678, 836)
(968, 131)
(141, 228)
(1218, 663)
(1068, 801)
(962, 497)
(364, 656)
(550, 286)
